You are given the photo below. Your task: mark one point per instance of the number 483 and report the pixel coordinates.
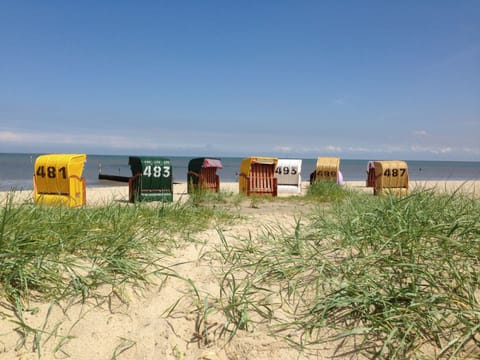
(156, 171)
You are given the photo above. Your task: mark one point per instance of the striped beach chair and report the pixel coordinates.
(202, 174)
(257, 176)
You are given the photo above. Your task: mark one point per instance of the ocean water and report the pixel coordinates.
(16, 170)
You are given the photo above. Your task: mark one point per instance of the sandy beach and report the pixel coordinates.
(116, 192)
(134, 325)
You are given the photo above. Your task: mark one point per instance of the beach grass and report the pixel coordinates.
(327, 191)
(385, 277)
(378, 276)
(56, 252)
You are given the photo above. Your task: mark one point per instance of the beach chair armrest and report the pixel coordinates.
(193, 173)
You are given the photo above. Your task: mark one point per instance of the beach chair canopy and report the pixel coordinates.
(391, 176)
(202, 174)
(288, 174)
(151, 179)
(327, 169)
(257, 176)
(57, 179)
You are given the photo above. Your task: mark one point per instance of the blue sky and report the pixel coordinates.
(355, 79)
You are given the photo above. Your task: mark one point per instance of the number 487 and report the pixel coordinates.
(394, 172)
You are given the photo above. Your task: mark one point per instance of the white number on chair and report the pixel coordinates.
(157, 171)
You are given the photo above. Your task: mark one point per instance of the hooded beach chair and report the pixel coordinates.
(57, 180)
(327, 169)
(289, 176)
(391, 177)
(151, 179)
(257, 176)
(371, 174)
(202, 174)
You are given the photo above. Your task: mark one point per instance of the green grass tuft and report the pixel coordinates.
(397, 277)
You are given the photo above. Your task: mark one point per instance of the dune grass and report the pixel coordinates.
(56, 252)
(385, 277)
(327, 191)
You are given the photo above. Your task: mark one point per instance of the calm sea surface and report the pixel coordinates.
(16, 170)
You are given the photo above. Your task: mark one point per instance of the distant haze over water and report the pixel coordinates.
(17, 169)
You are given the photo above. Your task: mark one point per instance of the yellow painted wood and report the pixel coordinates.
(57, 179)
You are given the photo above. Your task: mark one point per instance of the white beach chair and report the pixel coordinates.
(289, 176)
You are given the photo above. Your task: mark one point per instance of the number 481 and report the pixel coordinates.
(51, 172)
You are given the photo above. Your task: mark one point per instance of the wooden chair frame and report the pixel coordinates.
(202, 175)
(260, 179)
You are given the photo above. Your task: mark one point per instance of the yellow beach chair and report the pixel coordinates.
(391, 177)
(327, 169)
(257, 176)
(57, 180)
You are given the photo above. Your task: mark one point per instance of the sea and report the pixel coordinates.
(16, 170)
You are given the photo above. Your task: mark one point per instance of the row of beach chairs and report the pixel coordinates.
(58, 177)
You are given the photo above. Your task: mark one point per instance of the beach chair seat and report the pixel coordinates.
(289, 176)
(57, 180)
(202, 174)
(257, 176)
(391, 177)
(327, 169)
(151, 179)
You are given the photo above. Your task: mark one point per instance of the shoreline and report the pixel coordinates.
(97, 195)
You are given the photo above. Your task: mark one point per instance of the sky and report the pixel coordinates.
(354, 79)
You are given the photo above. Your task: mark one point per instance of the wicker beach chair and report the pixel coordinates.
(370, 174)
(327, 169)
(151, 179)
(57, 180)
(289, 176)
(257, 176)
(391, 177)
(202, 174)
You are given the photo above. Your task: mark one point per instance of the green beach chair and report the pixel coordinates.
(151, 179)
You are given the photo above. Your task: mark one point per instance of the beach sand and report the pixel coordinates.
(134, 325)
(106, 194)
